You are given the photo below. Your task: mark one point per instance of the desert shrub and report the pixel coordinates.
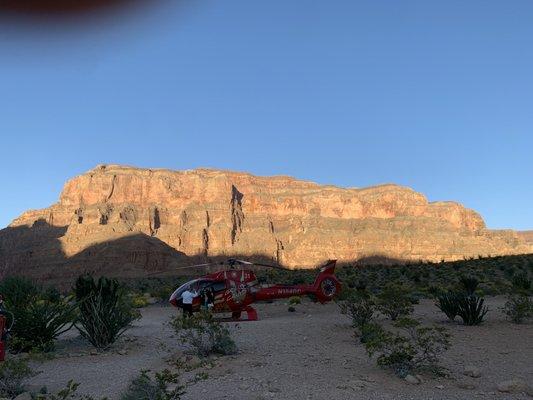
(360, 307)
(69, 392)
(104, 311)
(145, 387)
(414, 348)
(469, 284)
(39, 323)
(40, 316)
(159, 287)
(368, 331)
(139, 301)
(435, 291)
(394, 301)
(521, 282)
(294, 300)
(448, 304)
(18, 291)
(204, 334)
(12, 374)
(291, 309)
(518, 308)
(471, 309)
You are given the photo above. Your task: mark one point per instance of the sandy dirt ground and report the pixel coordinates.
(307, 354)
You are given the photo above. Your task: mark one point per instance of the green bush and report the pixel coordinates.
(294, 300)
(435, 291)
(471, 309)
(448, 304)
(12, 374)
(395, 301)
(360, 307)
(469, 284)
(518, 308)
(368, 331)
(40, 315)
(204, 334)
(521, 282)
(69, 392)
(40, 323)
(104, 310)
(139, 301)
(414, 349)
(18, 291)
(145, 387)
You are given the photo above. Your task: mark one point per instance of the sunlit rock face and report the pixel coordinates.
(127, 221)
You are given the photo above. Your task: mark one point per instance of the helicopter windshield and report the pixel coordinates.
(196, 285)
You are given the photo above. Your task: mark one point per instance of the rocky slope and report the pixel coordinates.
(527, 236)
(127, 221)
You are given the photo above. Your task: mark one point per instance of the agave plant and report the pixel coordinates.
(448, 304)
(471, 309)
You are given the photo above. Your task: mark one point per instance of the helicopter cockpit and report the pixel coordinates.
(196, 285)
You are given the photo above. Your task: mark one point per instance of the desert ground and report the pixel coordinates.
(307, 354)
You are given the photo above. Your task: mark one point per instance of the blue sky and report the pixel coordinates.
(433, 95)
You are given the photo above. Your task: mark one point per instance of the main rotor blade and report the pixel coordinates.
(187, 267)
(229, 261)
(259, 264)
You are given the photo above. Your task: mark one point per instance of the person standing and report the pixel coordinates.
(187, 298)
(210, 298)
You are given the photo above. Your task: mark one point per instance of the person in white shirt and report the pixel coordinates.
(187, 298)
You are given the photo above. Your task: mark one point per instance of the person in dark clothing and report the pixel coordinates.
(210, 294)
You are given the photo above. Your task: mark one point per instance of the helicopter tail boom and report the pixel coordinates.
(325, 287)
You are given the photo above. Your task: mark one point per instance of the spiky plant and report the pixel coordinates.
(448, 304)
(104, 312)
(469, 284)
(471, 309)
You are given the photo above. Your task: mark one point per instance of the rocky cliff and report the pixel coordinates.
(126, 221)
(527, 236)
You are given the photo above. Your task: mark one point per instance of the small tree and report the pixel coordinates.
(518, 308)
(104, 311)
(395, 301)
(360, 307)
(521, 283)
(414, 349)
(205, 334)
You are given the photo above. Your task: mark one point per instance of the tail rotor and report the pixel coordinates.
(326, 285)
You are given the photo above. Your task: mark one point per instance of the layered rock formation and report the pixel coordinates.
(527, 236)
(126, 221)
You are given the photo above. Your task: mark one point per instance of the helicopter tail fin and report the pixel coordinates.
(326, 284)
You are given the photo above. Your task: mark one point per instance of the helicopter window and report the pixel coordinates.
(202, 284)
(179, 291)
(221, 285)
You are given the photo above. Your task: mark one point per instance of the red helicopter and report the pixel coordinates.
(235, 289)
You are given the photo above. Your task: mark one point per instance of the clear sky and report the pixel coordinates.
(435, 95)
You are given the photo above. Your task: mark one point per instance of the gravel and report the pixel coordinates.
(307, 354)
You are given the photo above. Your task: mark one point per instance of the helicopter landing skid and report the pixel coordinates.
(251, 315)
